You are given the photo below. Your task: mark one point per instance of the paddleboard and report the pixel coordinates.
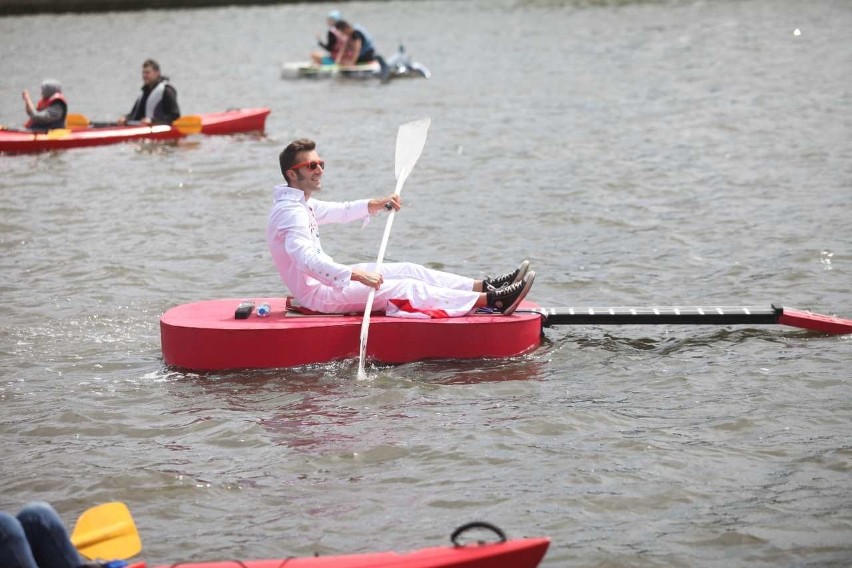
(306, 69)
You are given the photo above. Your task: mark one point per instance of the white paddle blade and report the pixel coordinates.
(409, 145)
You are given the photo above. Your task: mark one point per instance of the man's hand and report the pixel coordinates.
(371, 279)
(28, 103)
(392, 201)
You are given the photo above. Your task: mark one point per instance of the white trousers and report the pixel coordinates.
(424, 288)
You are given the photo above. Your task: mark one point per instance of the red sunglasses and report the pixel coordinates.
(311, 164)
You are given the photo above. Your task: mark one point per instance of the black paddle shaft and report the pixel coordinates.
(674, 315)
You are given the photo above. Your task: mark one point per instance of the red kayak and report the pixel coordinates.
(206, 336)
(228, 122)
(21, 142)
(520, 553)
(109, 531)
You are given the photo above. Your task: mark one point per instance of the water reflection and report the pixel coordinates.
(469, 372)
(669, 341)
(322, 408)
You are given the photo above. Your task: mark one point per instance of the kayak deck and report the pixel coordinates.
(205, 336)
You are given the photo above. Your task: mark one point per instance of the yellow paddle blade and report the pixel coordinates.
(188, 124)
(107, 532)
(76, 121)
(55, 134)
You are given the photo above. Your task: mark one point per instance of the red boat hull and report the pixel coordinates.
(228, 122)
(205, 336)
(234, 121)
(19, 142)
(521, 553)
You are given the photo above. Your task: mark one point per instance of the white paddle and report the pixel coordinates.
(409, 145)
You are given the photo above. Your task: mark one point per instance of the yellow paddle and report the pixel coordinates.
(55, 134)
(107, 532)
(76, 121)
(190, 124)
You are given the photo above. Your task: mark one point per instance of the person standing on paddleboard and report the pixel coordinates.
(157, 103)
(321, 284)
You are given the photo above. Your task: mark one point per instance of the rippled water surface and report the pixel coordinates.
(639, 153)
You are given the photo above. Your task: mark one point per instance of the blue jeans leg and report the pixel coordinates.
(14, 549)
(48, 538)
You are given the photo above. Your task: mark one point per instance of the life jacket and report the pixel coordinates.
(155, 96)
(43, 104)
(367, 45)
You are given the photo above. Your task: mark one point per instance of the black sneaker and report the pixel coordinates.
(515, 275)
(509, 297)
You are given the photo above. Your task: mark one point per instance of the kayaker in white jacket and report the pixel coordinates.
(321, 284)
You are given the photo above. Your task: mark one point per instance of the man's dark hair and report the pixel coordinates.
(152, 64)
(343, 26)
(287, 157)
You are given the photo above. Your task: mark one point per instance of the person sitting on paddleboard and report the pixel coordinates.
(36, 538)
(321, 284)
(157, 103)
(358, 46)
(333, 42)
(51, 110)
